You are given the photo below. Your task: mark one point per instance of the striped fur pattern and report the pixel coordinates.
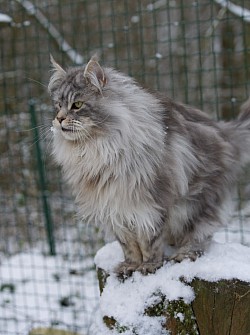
(147, 169)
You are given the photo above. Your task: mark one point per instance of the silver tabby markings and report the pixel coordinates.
(146, 168)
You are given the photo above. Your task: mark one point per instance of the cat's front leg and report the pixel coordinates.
(141, 254)
(133, 257)
(152, 253)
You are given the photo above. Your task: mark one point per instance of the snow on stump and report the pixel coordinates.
(210, 296)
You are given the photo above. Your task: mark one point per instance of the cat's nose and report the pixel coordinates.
(61, 115)
(60, 118)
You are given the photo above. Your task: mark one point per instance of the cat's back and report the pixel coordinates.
(186, 113)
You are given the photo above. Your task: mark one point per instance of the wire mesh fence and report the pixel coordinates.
(196, 52)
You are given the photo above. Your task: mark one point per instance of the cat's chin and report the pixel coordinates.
(67, 134)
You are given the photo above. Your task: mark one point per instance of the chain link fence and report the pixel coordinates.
(197, 52)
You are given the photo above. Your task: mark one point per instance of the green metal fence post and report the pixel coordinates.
(42, 182)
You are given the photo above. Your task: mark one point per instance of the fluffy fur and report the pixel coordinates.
(142, 166)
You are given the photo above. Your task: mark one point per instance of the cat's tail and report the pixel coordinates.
(239, 133)
(244, 115)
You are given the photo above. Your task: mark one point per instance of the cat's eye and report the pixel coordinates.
(77, 105)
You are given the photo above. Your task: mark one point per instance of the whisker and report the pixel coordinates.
(30, 129)
(41, 137)
(46, 152)
(81, 132)
(37, 82)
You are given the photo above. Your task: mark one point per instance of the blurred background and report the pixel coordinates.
(197, 52)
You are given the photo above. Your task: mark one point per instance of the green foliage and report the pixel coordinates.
(7, 287)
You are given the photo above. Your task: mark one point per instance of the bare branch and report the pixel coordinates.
(239, 11)
(53, 32)
(215, 22)
(5, 18)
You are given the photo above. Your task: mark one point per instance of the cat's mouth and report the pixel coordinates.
(67, 129)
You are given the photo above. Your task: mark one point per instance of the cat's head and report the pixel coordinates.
(78, 99)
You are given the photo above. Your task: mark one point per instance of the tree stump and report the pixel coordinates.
(50, 331)
(219, 308)
(222, 307)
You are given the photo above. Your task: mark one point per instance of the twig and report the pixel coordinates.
(215, 22)
(53, 32)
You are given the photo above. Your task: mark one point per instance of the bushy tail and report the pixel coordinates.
(240, 136)
(244, 115)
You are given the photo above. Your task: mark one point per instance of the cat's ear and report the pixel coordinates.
(95, 74)
(56, 66)
(57, 76)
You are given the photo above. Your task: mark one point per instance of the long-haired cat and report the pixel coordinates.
(145, 167)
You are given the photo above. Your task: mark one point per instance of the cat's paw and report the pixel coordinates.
(149, 267)
(125, 269)
(180, 256)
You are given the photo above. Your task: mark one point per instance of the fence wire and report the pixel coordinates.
(196, 52)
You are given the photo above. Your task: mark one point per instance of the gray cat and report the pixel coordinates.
(143, 166)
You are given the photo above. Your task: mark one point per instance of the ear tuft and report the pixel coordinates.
(55, 65)
(95, 74)
(56, 77)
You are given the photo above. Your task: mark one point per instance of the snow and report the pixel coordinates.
(158, 55)
(135, 19)
(38, 290)
(109, 256)
(210, 267)
(156, 5)
(180, 316)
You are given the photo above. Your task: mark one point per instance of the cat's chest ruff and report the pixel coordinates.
(94, 179)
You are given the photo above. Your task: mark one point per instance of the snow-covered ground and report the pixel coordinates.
(37, 290)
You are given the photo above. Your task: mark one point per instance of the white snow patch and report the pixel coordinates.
(180, 316)
(158, 55)
(109, 256)
(135, 19)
